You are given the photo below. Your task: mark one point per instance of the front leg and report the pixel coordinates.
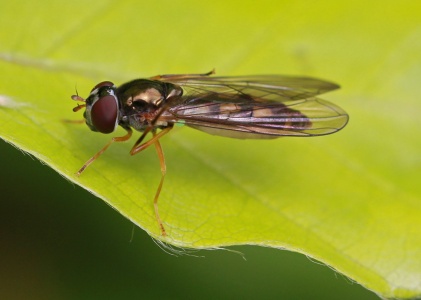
(114, 139)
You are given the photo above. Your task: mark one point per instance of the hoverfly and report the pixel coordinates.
(258, 107)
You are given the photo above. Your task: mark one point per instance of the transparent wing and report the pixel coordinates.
(264, 87)
(264, 106)
(238, 116)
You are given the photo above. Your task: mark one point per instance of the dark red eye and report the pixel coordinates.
(104, 83)
(104, 114)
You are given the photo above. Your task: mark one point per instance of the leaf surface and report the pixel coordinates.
(350, 200)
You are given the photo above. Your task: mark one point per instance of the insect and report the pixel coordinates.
(258, 107)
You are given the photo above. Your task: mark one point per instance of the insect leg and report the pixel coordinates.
(114, 139)
(137, 148)
(181, 76)
(73, 121)
(161, 182)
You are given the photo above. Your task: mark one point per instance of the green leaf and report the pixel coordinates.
(350, 200)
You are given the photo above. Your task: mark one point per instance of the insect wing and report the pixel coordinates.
(257, 106)
(309, 117)
(265, 87)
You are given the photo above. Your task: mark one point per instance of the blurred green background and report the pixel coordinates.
(60, 242)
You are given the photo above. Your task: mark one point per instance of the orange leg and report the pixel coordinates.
(161, 182)
(73, 121)
(181, 76)
(136, 149)
(114, 139)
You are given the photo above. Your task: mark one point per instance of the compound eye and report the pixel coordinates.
(104, 114)
(101, 84)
